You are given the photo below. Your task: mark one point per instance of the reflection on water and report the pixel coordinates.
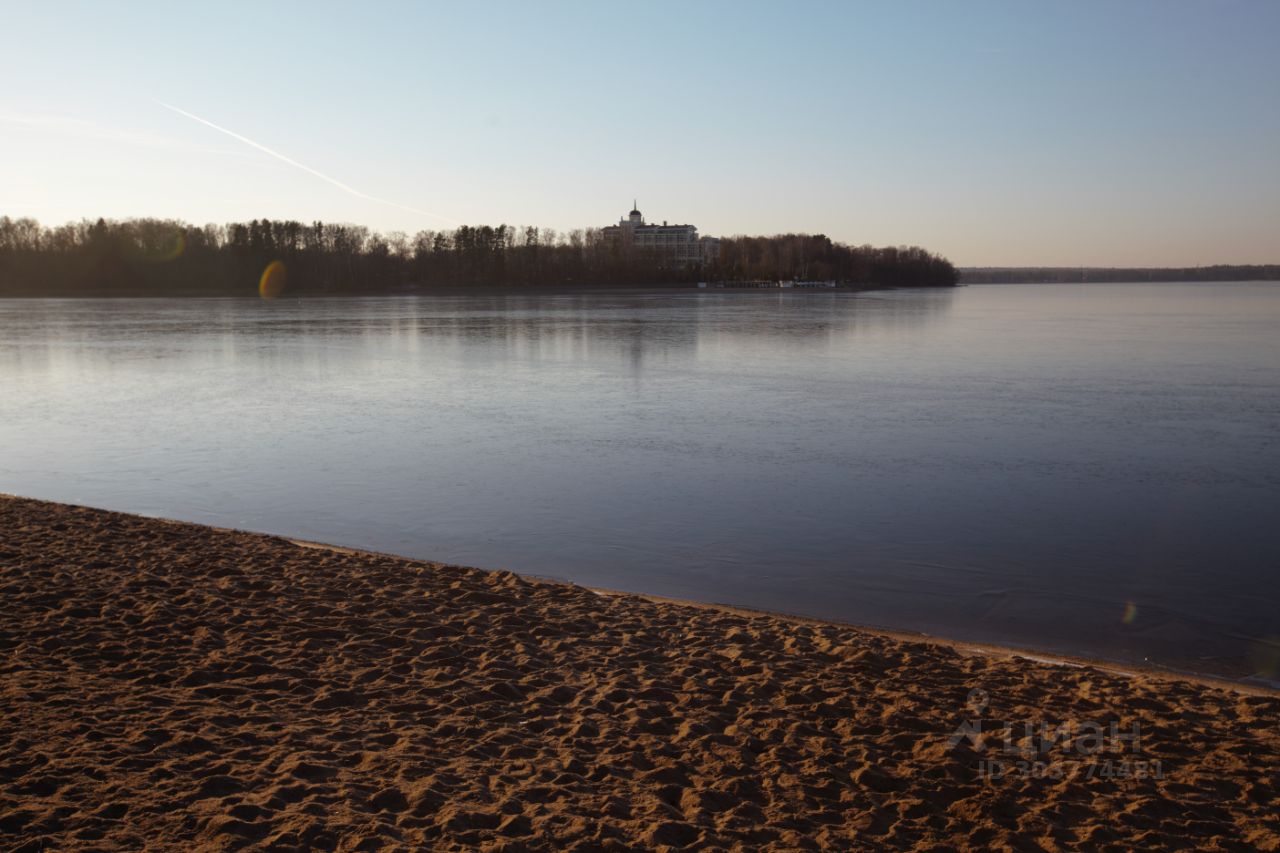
(1089, 468)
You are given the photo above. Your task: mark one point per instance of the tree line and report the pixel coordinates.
(161, 257)
(1068, 275)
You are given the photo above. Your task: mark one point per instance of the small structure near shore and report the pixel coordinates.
(762, 284)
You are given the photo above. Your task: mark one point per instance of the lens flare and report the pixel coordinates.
(1265, 656)
(273, 280)
(1130, 613)
(174, 248)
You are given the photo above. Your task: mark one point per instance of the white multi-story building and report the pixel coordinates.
(676, 245)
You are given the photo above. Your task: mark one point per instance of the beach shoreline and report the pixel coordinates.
(1251, 684)
(169, 685)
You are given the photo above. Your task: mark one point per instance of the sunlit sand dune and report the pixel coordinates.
(171, 686)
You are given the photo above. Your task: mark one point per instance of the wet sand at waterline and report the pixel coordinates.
(173, 686)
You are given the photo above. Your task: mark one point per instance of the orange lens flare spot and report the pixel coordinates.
(1265, 656)
(1130, 613)
(175, 247)
(273, 280)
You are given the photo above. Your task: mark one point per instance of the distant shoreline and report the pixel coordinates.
(482, 290)
(586, 289)
(1118, 275)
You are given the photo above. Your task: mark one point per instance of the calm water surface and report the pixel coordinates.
(1014, 464)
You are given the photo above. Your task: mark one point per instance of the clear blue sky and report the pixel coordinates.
(1114, 132)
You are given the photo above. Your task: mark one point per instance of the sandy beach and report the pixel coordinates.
(172, 686)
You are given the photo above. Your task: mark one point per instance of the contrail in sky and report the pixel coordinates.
(355, 192)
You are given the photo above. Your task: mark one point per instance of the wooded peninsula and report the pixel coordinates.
(160, 257)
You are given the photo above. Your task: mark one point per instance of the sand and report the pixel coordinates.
(172, 686)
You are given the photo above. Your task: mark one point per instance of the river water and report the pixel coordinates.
(1091, 469)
